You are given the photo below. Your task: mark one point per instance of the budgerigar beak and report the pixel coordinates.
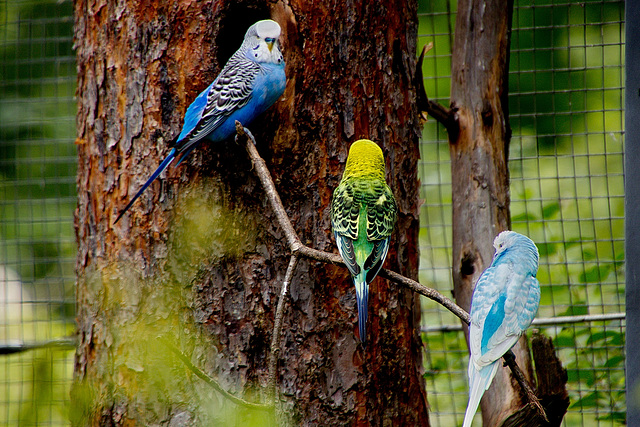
(270, 42)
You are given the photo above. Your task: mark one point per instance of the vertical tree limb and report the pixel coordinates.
(277, 330)
(480, 177)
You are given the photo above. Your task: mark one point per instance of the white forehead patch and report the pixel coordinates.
(268, 29)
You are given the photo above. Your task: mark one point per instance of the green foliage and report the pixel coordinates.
(138, 323)
(594, 359)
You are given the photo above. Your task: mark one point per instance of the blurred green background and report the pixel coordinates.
(566, 163)
(37, 199)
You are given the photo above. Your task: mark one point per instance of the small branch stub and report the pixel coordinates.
(446, 116)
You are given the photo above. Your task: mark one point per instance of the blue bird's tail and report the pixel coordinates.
(362, 298)
(165, 163)
(479, 382)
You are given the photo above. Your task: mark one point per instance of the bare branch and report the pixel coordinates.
(269, 187)
(427, 292)
(277, 330)
(298, 249)
(317, 255)
(510, 361)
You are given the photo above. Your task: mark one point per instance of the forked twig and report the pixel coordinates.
(298, 249)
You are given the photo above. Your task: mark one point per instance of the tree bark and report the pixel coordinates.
(479, 147)
(200, 259)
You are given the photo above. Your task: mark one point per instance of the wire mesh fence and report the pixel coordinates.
(566, 97)
(566, 165)
(37, 198)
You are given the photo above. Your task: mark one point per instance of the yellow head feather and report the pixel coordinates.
(365, 159)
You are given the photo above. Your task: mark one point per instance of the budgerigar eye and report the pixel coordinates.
(256, 47)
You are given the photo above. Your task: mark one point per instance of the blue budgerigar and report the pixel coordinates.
(251, 81)
(363, 214)
(504, 303)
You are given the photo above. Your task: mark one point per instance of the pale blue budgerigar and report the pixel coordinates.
(504, 303)
(251, 81)
(363, 214)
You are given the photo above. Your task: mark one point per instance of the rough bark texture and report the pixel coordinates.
(200, 258)
(480, 180)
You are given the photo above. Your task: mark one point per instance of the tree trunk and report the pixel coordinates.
(480, 178)
(200, 259)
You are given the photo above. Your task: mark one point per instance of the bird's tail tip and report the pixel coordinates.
(468, 418)
(362, 298)
(165, 163)
(479, 382)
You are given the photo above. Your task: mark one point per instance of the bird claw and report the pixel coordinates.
(508, 357)
(249, 135)
(242, 131)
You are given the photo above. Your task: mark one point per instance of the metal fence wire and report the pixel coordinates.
(566, 98)
(566, 165)
(37, 199)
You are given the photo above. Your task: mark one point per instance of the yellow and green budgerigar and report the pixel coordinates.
(363, 214)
